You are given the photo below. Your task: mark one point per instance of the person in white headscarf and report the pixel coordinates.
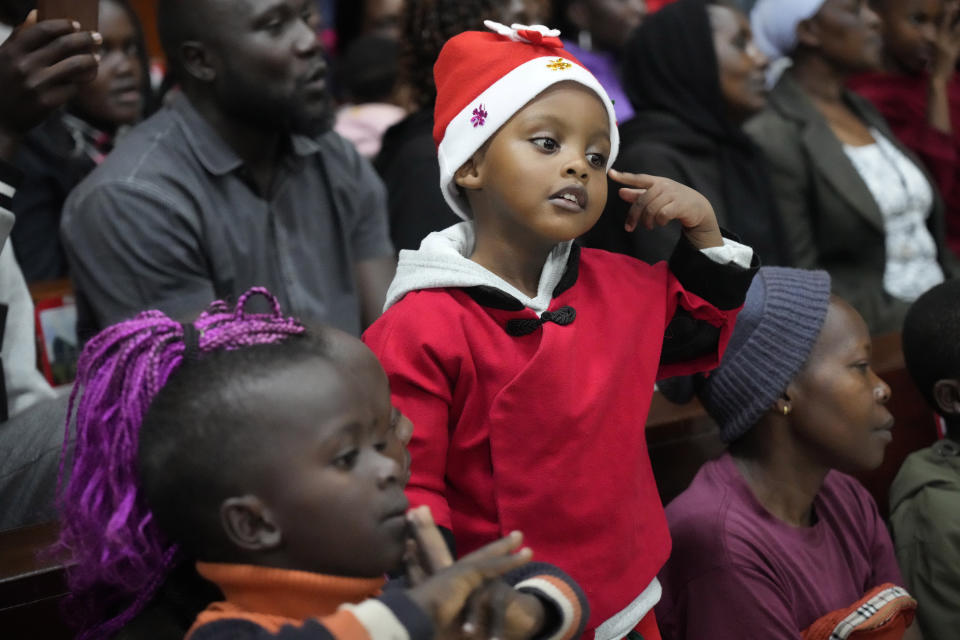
(774, 24)
(852, 199)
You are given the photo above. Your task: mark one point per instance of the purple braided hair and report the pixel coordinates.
(121, 555)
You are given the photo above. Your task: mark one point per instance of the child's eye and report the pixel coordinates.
(862, 367)
(597, 160)
(346, 460)
(547, 144)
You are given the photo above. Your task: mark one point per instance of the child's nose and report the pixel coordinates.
(387, 470)
(578, 169)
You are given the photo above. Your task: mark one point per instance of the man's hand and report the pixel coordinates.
(656, 201)
(42, 66)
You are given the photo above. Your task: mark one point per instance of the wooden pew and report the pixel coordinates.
(681, 438)
(32, 586)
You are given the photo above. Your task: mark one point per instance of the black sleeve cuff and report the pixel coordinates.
(449, 539)
(10, 175)
(417, 622)
(722, 285)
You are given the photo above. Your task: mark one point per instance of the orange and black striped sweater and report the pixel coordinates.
(297, 605)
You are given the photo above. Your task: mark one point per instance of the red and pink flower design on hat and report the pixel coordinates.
(479, 117)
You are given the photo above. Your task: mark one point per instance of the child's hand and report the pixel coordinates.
(657, 201)
(443, 591)
(500, 611)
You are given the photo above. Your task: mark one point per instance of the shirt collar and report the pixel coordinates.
(214, 153)
(292, 594)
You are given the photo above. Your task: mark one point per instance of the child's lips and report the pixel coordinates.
(572, 198)
(397, 510)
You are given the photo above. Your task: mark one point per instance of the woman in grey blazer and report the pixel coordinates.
(853, 200)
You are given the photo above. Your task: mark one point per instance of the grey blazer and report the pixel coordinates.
(830, 219)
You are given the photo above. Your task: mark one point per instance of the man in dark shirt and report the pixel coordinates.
(238, 182)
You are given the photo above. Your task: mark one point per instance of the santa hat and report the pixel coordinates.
(483, 78)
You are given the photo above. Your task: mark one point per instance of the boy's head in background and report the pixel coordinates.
(281, 455)
(239, 438)
(931, 348)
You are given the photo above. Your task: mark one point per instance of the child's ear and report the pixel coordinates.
(468, 175)
(249, 524)
(946, 393)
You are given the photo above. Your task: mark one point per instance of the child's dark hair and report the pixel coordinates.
(426, 27)
(197, 441)
(931, 338)
(121, 555)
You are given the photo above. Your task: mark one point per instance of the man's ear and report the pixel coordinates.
(946, 393)
(198, 61)
(249, 524)
(468, 175)
(808, 33)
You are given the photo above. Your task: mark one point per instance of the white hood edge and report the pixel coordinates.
(441, 261)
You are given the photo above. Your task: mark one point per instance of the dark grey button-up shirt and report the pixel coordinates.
(169, 222)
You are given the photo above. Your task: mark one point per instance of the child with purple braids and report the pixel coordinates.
(272, 456)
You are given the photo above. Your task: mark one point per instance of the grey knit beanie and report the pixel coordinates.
(776, 329)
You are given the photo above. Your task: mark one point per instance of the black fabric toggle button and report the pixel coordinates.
(562, 316)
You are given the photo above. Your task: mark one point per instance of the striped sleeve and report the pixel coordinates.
(559, 593)
(393, 616)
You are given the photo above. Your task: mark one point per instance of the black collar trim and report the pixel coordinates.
(496, 299)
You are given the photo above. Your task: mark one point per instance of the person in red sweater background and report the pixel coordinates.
(918, 91)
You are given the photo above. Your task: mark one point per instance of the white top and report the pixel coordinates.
(905, 198)
(18, 351)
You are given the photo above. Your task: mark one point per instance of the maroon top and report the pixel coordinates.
(738, 572)
(903, 102)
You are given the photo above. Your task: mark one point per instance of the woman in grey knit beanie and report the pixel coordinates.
(773, 536)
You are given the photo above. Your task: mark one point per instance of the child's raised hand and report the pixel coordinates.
(655, 201)
(444, 591)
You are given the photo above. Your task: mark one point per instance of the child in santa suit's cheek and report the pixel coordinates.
(527, 364)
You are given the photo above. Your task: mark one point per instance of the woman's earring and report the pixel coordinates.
(786, 409)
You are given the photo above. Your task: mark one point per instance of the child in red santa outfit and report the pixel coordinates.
(526, 363)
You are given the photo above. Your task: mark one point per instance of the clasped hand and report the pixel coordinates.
(468, 598)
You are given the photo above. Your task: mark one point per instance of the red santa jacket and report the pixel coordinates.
(537, 425)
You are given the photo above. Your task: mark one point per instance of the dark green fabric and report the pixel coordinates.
(925, 518)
